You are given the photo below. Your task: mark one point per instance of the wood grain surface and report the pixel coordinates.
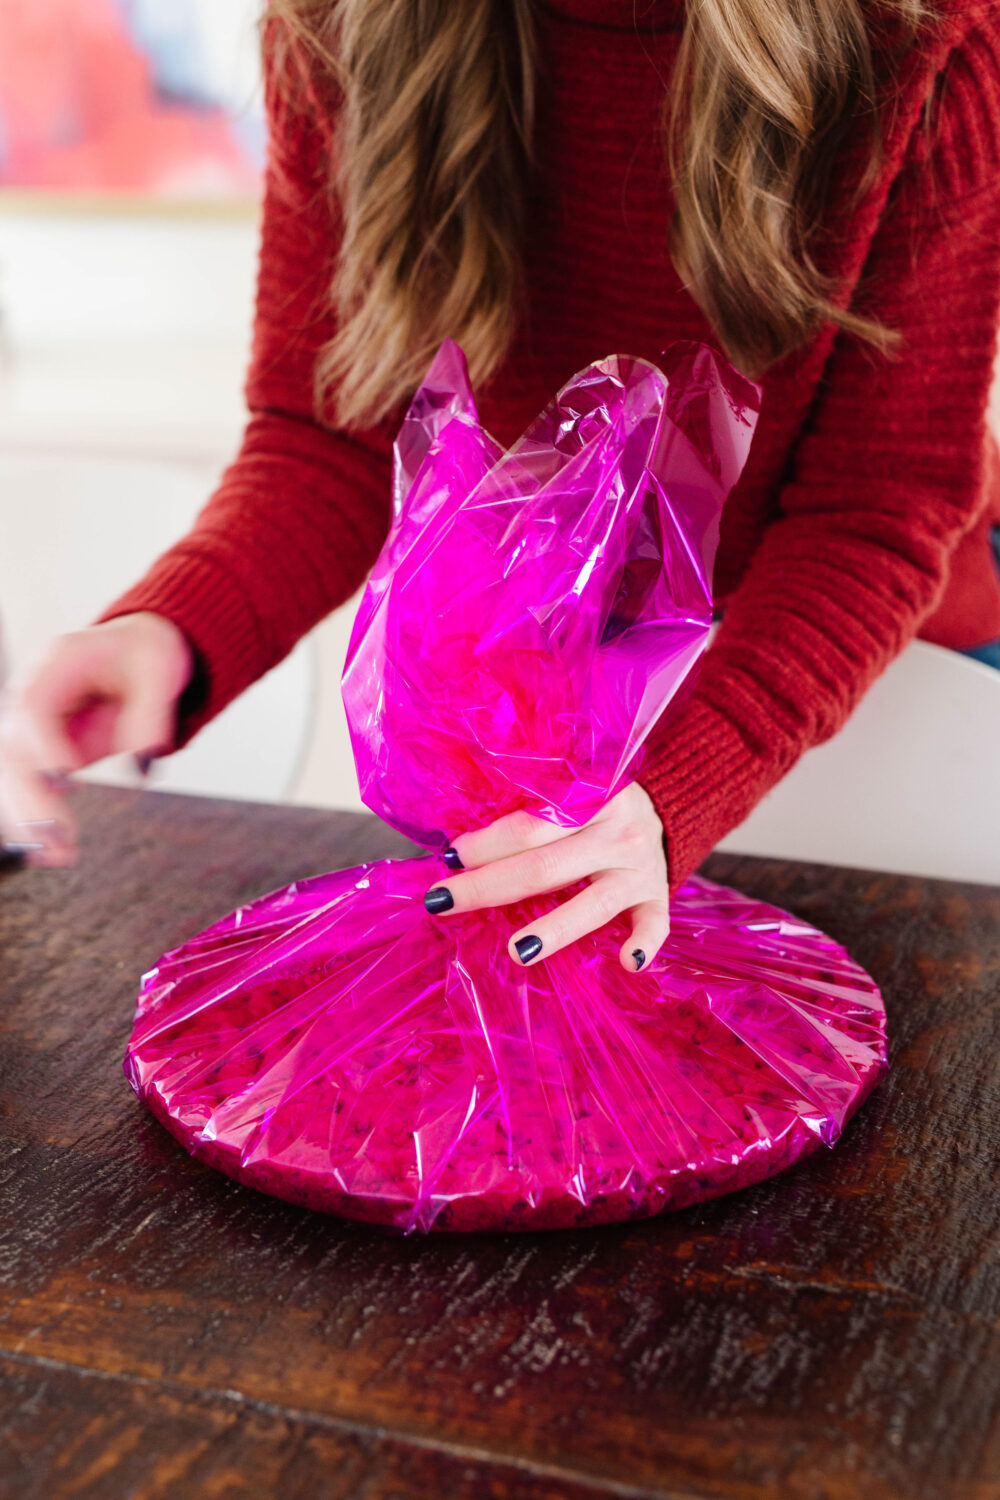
(829, 1335)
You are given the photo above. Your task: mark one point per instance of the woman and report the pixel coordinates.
(813, 186)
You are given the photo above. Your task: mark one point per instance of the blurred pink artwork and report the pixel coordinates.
(149, 97)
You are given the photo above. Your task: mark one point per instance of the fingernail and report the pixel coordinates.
(639, 956)
(528, 948)
(145, 759)
(57, 831)
(439, 899)
(18, 850)
(452, 858)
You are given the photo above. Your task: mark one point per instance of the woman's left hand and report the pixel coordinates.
(620, 852)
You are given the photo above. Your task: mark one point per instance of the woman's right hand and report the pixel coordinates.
(100, 691)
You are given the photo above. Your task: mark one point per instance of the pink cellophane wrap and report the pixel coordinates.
(532, 613)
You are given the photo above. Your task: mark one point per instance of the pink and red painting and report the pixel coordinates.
(156, 98)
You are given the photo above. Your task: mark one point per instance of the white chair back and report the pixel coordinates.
(911, 784)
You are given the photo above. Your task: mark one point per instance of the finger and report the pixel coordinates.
(38, 732)
(547, 868)
(74, 705)
(35, 756)
(650, 928)
(105, 707)
(36, 821)
(509, 835)
(603, 899)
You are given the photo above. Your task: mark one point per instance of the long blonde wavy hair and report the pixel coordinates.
(434, 157)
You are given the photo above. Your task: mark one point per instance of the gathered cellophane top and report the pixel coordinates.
(532, 614)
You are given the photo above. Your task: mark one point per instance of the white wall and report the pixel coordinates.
(124, 277)
(123, 345)
(123, 333)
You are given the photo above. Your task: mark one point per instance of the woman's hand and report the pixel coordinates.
(109, 688)
(620, 851)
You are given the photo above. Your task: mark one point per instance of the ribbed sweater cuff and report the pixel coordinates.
(703, 780)
(208, 605)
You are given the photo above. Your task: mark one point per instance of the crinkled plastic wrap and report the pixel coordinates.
(531, 615)
(533, 612)
(335, 1046)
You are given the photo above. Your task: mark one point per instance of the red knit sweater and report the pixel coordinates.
(862, 517)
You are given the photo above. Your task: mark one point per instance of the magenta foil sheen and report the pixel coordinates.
(534, 611)
(531, 615)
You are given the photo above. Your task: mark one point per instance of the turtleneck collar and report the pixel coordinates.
(620, 15)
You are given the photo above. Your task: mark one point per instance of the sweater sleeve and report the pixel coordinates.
(299, 516)
(887, 476)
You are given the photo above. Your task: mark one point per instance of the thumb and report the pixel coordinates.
(147, 721)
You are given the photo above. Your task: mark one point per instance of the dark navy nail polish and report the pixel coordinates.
(452, 859)
(639, 956)
(19, 850)
(439, 899)
(528, 948)
(144, 762)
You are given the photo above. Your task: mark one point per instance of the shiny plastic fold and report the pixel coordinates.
(532, 614)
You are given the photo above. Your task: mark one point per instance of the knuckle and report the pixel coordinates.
(58, 647)
(543, 864)
(468, 890)
(521, 825)
(632, 888)
(607, 901)
(633, 838)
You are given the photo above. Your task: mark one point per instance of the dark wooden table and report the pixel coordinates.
(829, 1335)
